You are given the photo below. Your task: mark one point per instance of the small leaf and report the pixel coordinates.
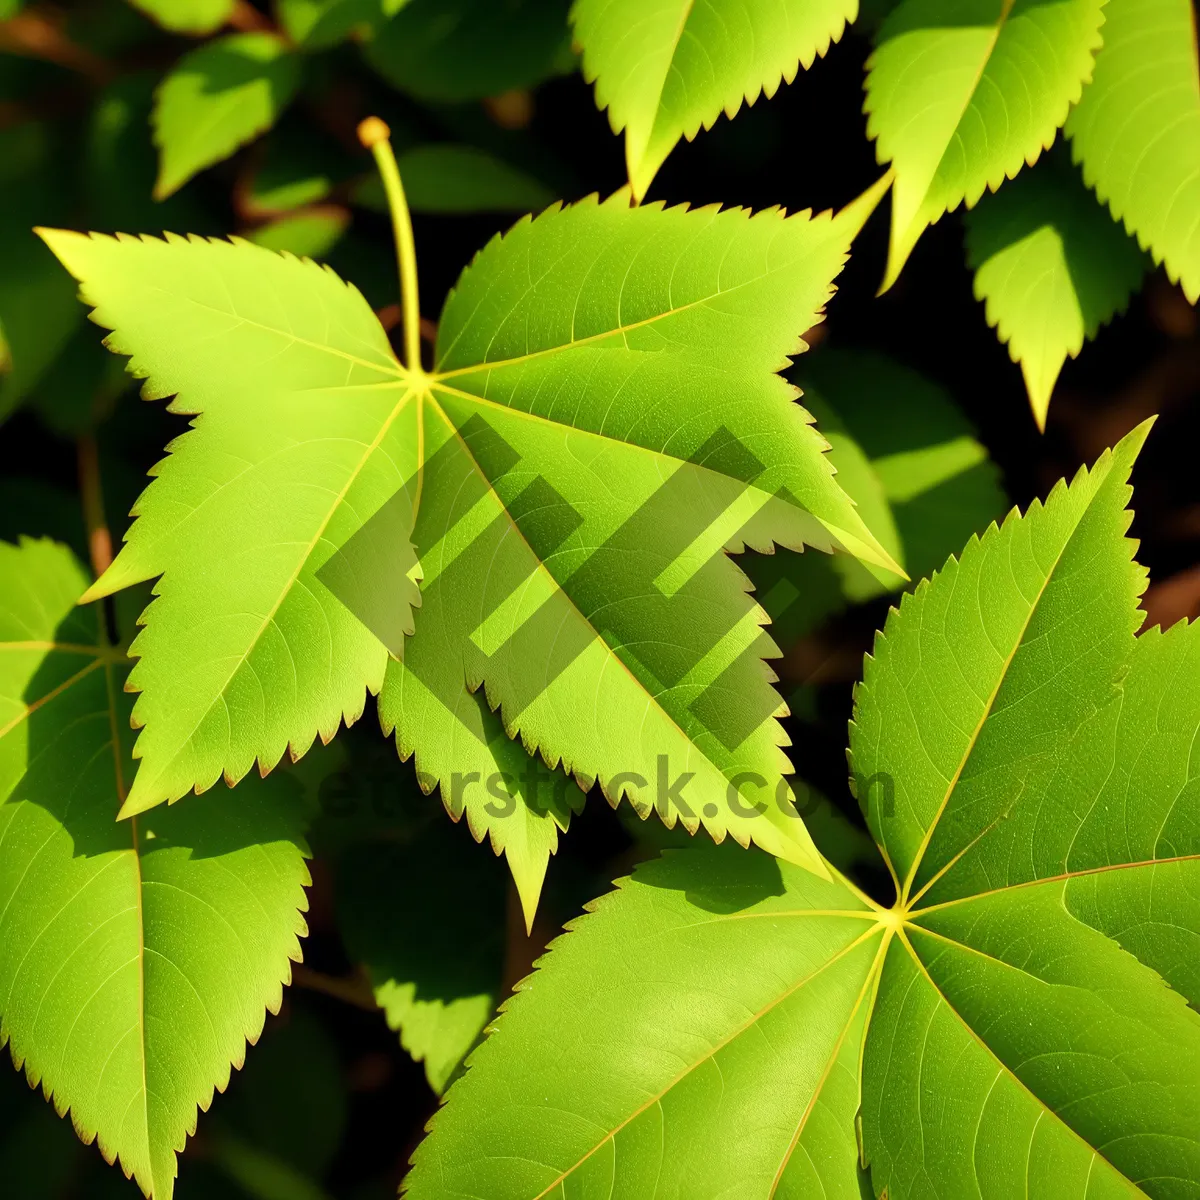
(306, 233)
(219, 98)
(298, 166)
(666, 68)
(961, 94)
(1052, 268)
(318, 24)
(445, 178)
(452, 50)
(437, 979)
(188, 16)
(1136, 130)
(136, 957)
(290, 1102)
(911, 461)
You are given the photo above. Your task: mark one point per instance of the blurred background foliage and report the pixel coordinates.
(416, 936)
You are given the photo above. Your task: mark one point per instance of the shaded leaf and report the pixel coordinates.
(298, 166)
(427, 919)
(1052, 268)
(290, 1101)
(120, 164)
(318, 24)
(466, 49)
(36, 317)
(906, 454)
(447, 178)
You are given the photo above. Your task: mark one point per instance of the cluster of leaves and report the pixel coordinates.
(1023, 1019)
(527, 551)
(960, 96)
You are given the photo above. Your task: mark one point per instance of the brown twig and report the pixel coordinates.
(351, 989)
(245, 18)
(99, 538)
(36, 34)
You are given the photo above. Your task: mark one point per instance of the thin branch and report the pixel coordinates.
(351, 989)
(98, 535)
(37, 35)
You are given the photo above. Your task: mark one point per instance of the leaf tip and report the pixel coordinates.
(139, 800)
(97, 591)
(1040, 392)
(61, 242)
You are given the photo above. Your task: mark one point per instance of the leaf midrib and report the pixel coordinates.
(685, 15)
(103, 656)
(621, 330)
(383, 368)
(1061, 877)
(997, 29)
(524, 413)
(302, 561)
(542, 568)
(714, 1050)
(831, 1062)
(136, 850)
(54, 692)
(1004, 1067)
(1018, 642)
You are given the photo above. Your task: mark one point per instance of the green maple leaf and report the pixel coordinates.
(1052, 269)
(1136, 130)
(961, 94)
(136, 957)
(1021, 1022)
(592, 439)
(216, 99)
(666, 68)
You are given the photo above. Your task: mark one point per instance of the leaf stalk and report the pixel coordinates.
(376, 137)
(95, 522)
